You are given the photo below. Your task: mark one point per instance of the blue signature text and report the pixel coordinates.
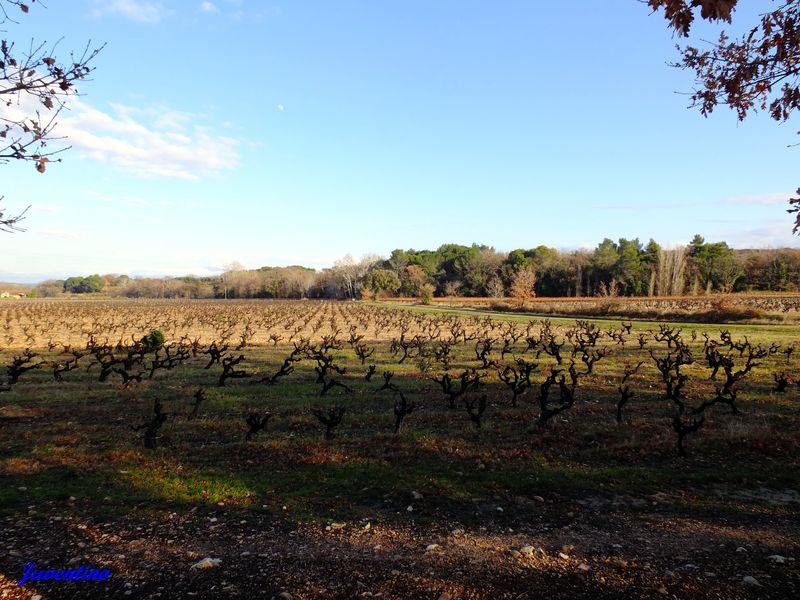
(76, 574)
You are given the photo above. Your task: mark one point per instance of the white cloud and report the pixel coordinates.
(208, 7)
(141, 11)
(280, 107)
(148, 142)
(761, 199)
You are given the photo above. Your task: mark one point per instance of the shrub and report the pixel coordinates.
(724, 309)
(501, 307)
(426, 293)
(153, 340)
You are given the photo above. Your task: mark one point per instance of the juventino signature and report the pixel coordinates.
(77, 574)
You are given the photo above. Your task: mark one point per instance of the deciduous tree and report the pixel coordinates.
(760, 70)
(522, 285)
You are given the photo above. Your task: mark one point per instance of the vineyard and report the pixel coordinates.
(361, 450)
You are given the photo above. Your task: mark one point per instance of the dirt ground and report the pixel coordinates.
(616, 547)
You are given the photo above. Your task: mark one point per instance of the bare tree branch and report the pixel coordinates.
(9, 223)
(34, 87)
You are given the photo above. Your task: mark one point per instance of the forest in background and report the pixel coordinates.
(623, 268)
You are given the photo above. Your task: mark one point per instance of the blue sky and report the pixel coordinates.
(297, 132)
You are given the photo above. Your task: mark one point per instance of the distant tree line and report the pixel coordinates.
(622, 268)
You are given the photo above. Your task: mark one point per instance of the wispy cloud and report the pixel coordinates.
(239, 11)
(148, 142)
(255, 15)
(761, 199)
(57, 234)
(115, 199)
(771, 234)
(141, 11)
(644, 205)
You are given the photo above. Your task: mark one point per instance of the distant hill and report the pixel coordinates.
(14, 287)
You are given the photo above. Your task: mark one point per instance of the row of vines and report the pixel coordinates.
(421, 361)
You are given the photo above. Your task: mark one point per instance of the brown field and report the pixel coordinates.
(716, 308)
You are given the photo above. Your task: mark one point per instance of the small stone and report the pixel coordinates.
(22, 488)
(527, 550)
(337, 526)
(741, 549)
(206, 563)
(584, 568)
(563, 556)
(416, 495)
(431, 547)
(750, 580)
(36, 597)
(457, 532)
(538, 499)
(663, 591)
(777, 558)
(74, 560)
(410, 508)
